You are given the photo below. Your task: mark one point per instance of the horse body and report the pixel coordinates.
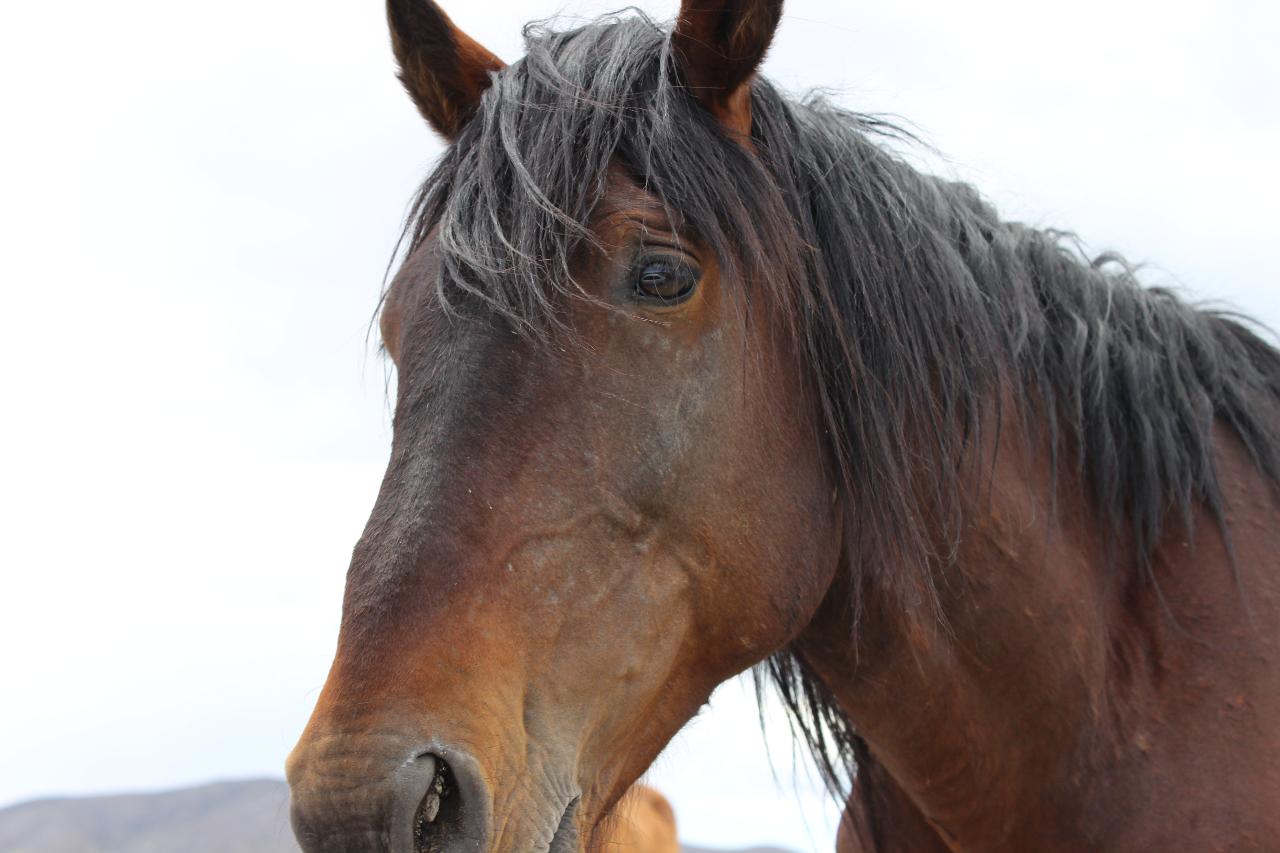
(694, 378)
(1060, 706)
(898, 827)
(644, 822)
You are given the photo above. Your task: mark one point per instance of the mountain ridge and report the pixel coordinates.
(238, 816)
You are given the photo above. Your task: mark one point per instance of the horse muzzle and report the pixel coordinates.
(425, 798)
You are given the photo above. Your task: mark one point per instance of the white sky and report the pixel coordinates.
(197, 203)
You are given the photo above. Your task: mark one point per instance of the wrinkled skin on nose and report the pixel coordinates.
(572, 547)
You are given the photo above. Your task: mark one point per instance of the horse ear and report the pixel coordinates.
(444, 70)
(718, 45)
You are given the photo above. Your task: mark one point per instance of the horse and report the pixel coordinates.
(643, 822)
(695, 378)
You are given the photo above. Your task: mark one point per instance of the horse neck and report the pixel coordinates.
(1041, 704)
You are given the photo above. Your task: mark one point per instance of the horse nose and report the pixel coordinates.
(444, 805)
(433, 801)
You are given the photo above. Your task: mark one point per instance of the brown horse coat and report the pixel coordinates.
(643, 822)
(693, 377)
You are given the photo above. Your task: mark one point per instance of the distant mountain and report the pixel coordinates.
(225, 817)
(685, 848)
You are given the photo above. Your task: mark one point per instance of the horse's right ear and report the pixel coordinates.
(444, 70)
(718, 46)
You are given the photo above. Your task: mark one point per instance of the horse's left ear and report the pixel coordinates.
(444, 70)
(718, 45)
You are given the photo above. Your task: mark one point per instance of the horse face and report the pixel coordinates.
(573, 544)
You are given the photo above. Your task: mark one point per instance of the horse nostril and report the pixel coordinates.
(431, 802)
(437, 815)
(440, 804)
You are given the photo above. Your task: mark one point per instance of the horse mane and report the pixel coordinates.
(914, 305)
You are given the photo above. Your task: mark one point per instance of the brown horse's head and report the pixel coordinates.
(606, 493)
(691, 376)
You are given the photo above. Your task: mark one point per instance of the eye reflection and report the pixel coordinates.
(664, 280)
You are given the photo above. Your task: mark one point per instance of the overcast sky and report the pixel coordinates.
(198, 201)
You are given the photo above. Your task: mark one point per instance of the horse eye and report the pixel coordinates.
(665, 281)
